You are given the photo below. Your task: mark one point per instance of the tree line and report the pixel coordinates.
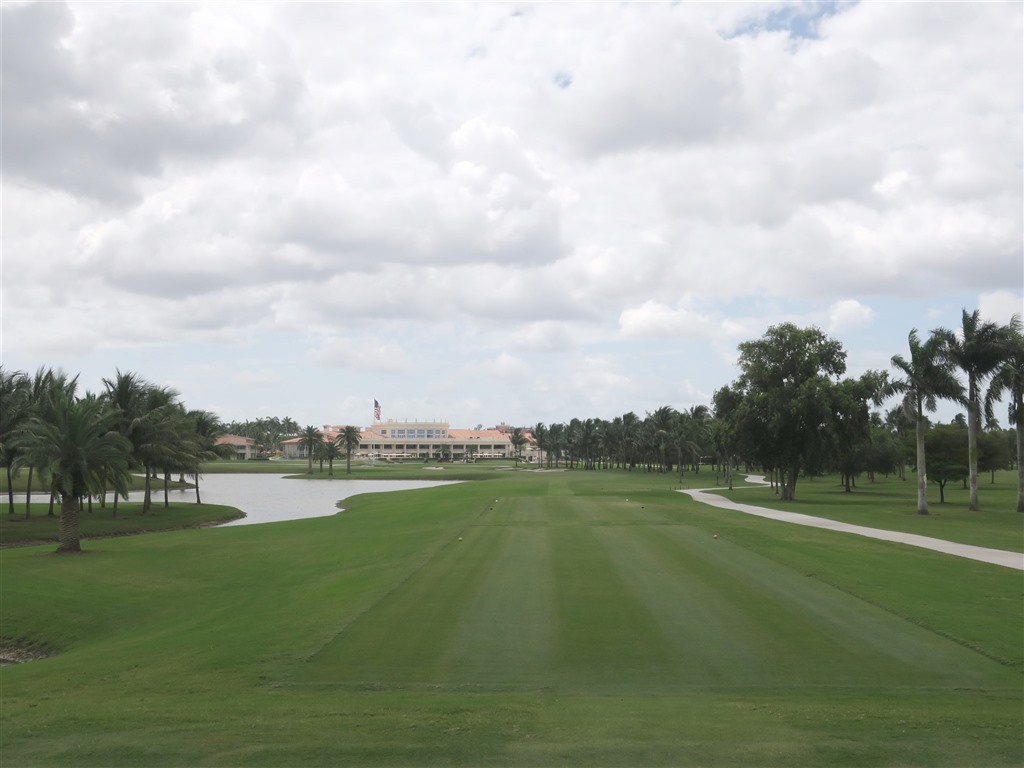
(80, 446)
(791, 413)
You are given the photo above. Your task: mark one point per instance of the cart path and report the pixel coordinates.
(982, 554)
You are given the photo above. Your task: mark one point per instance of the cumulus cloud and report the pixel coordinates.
(499, 183)
(1000, 306)
(657, 320)
(847, 314)
(365, 353)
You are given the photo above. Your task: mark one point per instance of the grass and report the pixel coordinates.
(41, 527)
(891, 504)
(532, 619)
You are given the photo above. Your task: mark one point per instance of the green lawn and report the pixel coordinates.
(891, 504)
(562, 618)
(101, 522)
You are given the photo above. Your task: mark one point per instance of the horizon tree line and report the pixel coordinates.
(788, 413)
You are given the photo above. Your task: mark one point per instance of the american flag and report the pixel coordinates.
(376, 410)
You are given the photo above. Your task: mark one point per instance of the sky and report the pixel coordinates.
(497, 212)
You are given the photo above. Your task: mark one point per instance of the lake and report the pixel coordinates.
(271, 498)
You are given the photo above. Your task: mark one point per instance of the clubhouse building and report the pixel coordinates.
(420, 440)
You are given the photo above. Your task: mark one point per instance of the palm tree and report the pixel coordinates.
(330, 450)
(125, 394)
(540, 438)
(349, 439)
(1009, 378)
(40, 394)
(927, 376)
(206, 427)
(156, 436)
(662, 424)
(14, 412)
(517, 439)
(977, 350)
(311, 437)
(81, 451)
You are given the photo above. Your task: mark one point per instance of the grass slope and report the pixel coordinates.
(583, 618)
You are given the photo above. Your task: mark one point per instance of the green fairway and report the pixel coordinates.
(557, 618)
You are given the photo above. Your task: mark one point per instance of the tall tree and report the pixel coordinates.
(928, 376)
(725, 429)
(14, 412)
(977, 348)
(540, 439)
(82, 453)
(43, 388)
(518, 439)
(348, 439)
(311, 438)
(785, 383)
(1009, 378)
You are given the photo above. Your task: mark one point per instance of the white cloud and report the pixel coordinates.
(1000, 306)
(385, 191)
(365, 353)
(656, 320)
(507, 367)
(847, 314)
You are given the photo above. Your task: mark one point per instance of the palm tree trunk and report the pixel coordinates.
(972, 446)
(167, 482)
(10, 491)
(69, 538)
(147, 497)
(922, 473)
(28, 495)
(1020, 459)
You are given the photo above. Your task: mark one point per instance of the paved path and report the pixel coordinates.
(983, 554)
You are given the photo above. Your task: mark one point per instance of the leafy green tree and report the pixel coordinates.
(81, 451)
(851, 423)
(785, 386)
(1009, 378)
(993, 452)
(725, 430)
(947, 452)
(928, 376)
(349, 439)
(978, 349)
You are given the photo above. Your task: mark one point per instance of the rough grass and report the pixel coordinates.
(583, 618)
(891, 504)
(17, 530)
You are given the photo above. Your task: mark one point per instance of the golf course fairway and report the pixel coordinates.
(539, 618)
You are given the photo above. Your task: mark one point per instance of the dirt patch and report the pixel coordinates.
(15, 652)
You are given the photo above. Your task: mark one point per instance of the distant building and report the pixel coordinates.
(245, 447)
(396, 440)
